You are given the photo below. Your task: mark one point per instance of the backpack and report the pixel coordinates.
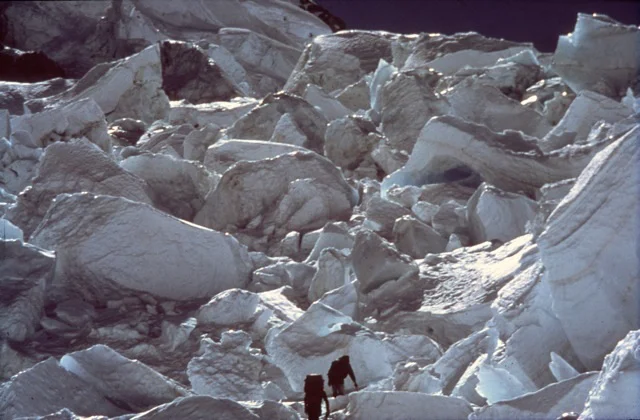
(313, 385)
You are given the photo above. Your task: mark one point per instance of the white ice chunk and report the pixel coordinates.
(615, 393)
(589, 251)
(560, 368)
(331, 108)
(10, 231)
(497, 384)
(381, 76)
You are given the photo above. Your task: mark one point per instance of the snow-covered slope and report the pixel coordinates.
(222, 197)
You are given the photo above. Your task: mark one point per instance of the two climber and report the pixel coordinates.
(314, 387)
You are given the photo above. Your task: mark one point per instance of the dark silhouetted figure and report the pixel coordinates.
(313, 396)
(338, 373)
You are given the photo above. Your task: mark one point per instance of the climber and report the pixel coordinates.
(313, 396)
(337, 374)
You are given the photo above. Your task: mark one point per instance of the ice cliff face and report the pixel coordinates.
(222, 197)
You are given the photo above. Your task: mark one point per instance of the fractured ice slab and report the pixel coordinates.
(224, 153)
(495, 214)
(78, 118)
(177, 186)
(486, 105)
(10, 231)
(448, 53)
(407, 103)
(231, 369)
(349, 141)
(129, 382)
(261, 122)
(182, 261)
(25, 270)
(188, 73)
(615, 391)
(130, 87)
(70, 167)
(509, 160)
(48, 387)
(546, 403)
(376, 261)
(596, 228)
(297, 191)
(335, 61)
(599, 55)
(584, 112)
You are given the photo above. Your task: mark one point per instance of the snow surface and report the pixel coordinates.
(456, 213)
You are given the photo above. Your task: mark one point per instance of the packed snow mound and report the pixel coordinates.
(181, 261)
(614, 392)
(596, 227)
(390, 405)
